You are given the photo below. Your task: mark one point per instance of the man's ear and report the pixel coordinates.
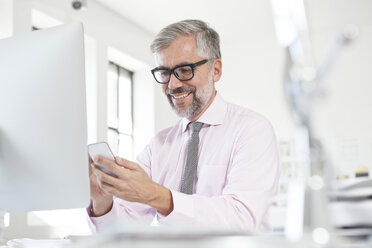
(217, 69)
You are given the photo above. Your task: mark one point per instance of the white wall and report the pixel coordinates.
(252, 77)
(6, 18)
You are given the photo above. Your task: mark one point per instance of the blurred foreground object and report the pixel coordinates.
(307, 202)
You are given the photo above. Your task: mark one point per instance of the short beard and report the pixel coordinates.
(200, 99)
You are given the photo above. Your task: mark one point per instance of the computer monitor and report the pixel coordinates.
(43, 129)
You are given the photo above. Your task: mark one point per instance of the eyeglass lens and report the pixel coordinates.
(182, 73)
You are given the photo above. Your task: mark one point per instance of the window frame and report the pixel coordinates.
(117, 130)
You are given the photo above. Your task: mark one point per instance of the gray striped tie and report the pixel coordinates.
(192, 159)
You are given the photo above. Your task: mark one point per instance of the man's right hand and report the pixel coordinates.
(101, 200)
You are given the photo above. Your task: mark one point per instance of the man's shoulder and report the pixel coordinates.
(241, 114)
(248, 124)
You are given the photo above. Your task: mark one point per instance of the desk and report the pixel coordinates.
(194, 241)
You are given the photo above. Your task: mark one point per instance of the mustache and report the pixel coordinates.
(180, 90)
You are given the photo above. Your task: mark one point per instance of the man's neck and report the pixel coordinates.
(196, 117)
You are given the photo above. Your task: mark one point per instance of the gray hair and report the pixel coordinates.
(207, 39)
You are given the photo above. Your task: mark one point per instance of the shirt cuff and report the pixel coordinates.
(91, 225)
(183, 209)
(108, 218)
(90, 209)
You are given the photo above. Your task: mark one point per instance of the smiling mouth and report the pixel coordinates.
(181, 96)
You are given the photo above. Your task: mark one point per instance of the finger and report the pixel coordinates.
(94, 180)
(97, 181)
(91, 168)
(92, 172)
(90, 164)
(100, 185)
(108, 164)
(126, 163)
(95, 173)
(90, 158)
(106, 178)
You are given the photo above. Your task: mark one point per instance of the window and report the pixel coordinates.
(120, 111)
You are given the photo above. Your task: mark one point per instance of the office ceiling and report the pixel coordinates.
(235, 20)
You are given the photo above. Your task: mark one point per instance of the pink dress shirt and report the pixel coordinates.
(237, 174)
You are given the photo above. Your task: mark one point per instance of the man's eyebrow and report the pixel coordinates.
(161, 68)
(177, 65)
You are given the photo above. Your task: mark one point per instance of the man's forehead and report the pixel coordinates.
(181, 50)
(173, 62)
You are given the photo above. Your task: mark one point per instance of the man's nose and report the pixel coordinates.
(174, 82)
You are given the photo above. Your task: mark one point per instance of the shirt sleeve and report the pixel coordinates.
(252, 179)
(123, 211)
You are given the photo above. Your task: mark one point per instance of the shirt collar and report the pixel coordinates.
(214, 115)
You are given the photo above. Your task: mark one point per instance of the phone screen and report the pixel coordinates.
(101, 149)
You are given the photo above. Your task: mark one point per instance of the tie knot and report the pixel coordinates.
(195, 126)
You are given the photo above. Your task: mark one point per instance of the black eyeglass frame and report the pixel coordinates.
(171, 71)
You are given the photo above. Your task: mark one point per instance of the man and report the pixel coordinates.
(219, 174)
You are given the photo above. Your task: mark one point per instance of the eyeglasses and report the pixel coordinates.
(182, 72)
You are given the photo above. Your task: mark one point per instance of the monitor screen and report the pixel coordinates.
(43, 130)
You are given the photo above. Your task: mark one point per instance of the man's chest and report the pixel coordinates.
(214, 158)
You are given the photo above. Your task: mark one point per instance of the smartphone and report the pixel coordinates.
(101, 149)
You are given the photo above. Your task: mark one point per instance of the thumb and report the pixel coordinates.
(125, 163)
